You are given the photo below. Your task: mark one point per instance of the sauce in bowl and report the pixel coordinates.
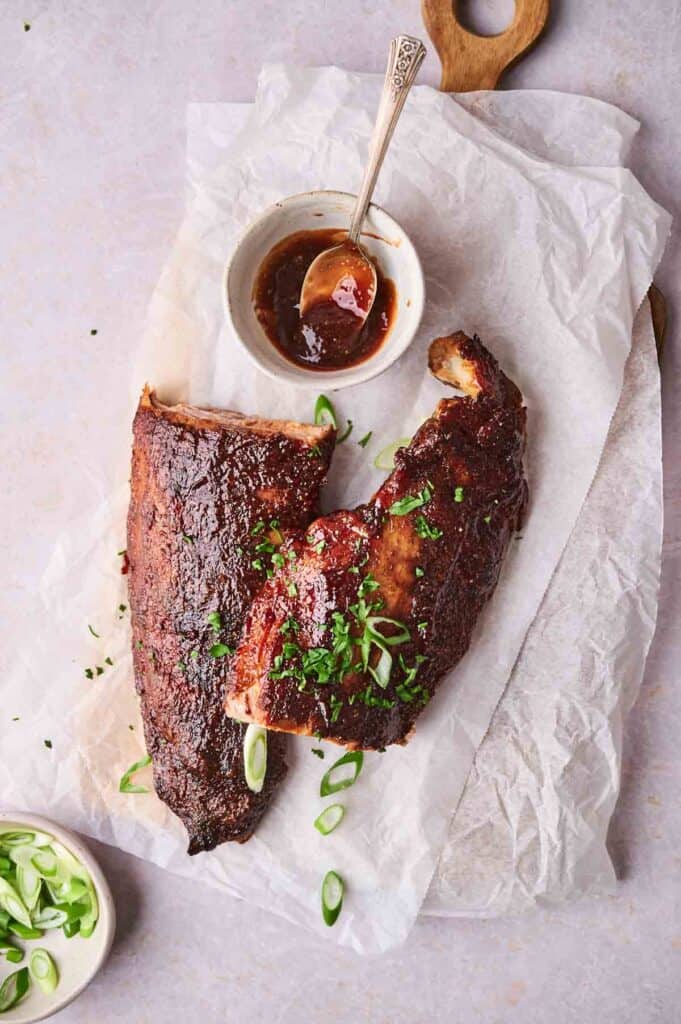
(330, 336)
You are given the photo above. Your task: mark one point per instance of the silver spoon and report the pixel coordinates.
(345, 275)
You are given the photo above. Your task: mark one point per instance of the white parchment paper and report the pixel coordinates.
(548, 263)
(532, 823)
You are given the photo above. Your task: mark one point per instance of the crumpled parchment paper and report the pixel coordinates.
(532, 823)
(548, 263)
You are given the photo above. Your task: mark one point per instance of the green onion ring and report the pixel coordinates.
(328, 786)
(333, 890)
(324, 413)
(125, 785)
(386, 457)
(44, 970)
(329, 819)
(13, 989)
(255, 757)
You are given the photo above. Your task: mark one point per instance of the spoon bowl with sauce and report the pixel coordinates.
(340, 284)
(263, 282)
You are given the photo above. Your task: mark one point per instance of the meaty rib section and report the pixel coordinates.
(213, 496)
(374, 606)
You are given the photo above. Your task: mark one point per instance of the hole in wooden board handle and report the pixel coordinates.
(472, 62)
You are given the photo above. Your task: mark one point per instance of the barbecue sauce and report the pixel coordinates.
(330, 336)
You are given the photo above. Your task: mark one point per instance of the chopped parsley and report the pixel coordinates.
(214, 621)
(318, 753)
(94, 329)
(319, 546)
(364, 441)
(278, 561)
(220, 650)
(258, 528)
(193, 655)
(458, 495)
(122, 553)
(487, 519)
(336, 706)
(99, 670)
(411, 502)
(48, 744)
(89, 674)
(93, 632)
(291, 589)
(182, 667)
(257, 563)
(289, 626)
(27, 26)
(347, 635)
(419, 572)
(425, 530)
(108, 661)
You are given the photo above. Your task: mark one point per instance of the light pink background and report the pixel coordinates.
(92, 107)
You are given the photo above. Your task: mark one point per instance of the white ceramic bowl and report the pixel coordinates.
(78, 960)
(384, 239)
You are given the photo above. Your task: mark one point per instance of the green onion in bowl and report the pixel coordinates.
(44, 970)
(13, 989)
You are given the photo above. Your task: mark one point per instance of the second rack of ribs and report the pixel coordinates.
(425, 552)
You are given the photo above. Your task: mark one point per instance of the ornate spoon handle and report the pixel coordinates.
(406, 56)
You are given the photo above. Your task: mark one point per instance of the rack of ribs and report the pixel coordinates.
(372, 607)
(214, 496)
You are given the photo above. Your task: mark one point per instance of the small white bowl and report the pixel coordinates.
(78, 960)
(383, 238)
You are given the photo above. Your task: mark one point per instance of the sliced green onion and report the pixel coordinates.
(23, 932)
(384, 666)
(12, 953)
(45, 863)
(329, 819)
(58, 915)
(397, 638)
(386, 457)
(23, 838)
(255, 757)
(458, 494)
(13, 904)
(125, 785)
(5, 865)
(71, 928)
(13, 989)
(332, 783)
(364, 441)
(325, 413)
(346, 433)
(332, 897)
(4, 920)
(29, 884)
(44, 970)
(72, 891)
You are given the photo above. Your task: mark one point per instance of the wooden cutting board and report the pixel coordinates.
(472, 62)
